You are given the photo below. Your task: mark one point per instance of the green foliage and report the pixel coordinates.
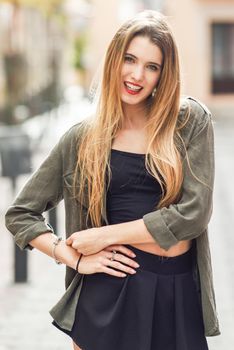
(47, 7)
(79, 50)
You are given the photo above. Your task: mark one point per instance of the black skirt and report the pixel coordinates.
(158, 308)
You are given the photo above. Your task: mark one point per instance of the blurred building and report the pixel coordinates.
(34, 52)
(204, 30)
(30, 55)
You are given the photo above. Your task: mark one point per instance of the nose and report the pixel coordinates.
(138, 72)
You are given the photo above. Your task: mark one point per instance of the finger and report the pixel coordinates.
(69, 241)
(117, 265)
(122, 258)
(112, 272)
(121, 248)
(125, 260)
(74, 245)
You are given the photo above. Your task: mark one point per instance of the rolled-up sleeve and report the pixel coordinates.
(42, 192)
(190, 216)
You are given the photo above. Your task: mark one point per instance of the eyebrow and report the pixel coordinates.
(155, 63)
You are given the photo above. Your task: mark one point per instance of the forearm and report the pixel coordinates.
(66, 254)
(128, 233)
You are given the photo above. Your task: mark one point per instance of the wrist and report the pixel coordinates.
(67, 255)
(78, 262)
(55, 243)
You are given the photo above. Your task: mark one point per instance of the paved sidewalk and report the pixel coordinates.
(25, 323)
(221, 235)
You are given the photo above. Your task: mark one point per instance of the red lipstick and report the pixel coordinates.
(131, 91)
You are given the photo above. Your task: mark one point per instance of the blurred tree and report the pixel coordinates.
(47, 7)
(15, 60)
(80, 43)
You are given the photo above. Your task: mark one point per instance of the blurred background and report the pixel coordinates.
(50, 52)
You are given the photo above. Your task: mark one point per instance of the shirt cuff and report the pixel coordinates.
(158, 228)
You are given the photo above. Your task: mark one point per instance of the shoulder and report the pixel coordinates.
(68, 145)
(193, 117)
(72, 135)
(70, 140)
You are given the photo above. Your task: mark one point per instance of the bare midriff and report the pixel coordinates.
(177, 249)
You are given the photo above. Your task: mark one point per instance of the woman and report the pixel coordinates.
(137, 182)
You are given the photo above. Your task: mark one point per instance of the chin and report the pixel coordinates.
(132, 101)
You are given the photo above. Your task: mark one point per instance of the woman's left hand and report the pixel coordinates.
(88, 241)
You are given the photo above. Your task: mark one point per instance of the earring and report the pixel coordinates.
(154, 92)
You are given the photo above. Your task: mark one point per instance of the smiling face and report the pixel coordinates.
(140, 71)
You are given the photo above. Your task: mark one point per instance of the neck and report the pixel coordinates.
(135, 116)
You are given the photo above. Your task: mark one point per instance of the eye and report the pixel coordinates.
(153, 68)
(128, 59)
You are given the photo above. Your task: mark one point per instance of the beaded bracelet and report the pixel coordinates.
(78, 261)
(55, 243)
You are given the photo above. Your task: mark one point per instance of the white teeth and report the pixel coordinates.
(133, 87)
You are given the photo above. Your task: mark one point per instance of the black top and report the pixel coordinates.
(133, 192)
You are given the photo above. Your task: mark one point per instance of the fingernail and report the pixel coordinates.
(133, 255)
(137, 265)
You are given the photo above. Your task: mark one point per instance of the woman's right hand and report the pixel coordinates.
(100, 262)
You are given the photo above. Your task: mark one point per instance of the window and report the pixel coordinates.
(222, 58)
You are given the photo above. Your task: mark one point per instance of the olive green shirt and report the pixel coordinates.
(187, 219)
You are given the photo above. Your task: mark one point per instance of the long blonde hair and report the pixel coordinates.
(163, 159)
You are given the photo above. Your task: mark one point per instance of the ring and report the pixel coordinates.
(113, 255)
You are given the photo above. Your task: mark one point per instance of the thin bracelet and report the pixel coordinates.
(78, 261)
(55, 243)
